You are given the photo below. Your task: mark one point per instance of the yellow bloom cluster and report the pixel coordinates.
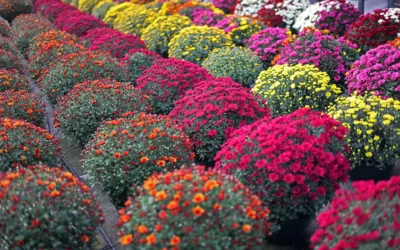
(288, 88)
(239, 63)
(160, 32)
(241, 28)
(196, 42)
(87, 5)
(101, 8)
(113, 12)
(134, 20)
(374, 125)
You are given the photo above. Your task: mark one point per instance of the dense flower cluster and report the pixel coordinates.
(196, 42)
(374, 29)
(115, 10)
(177, 210)
(309, 16)
(293, 163)
(5, 28)
(82, 110)
(138, 60)
(287, 88)
(168, 80)
(378, 71)
(22, 105)
(324, 51)
(276, 12)
(100, 10)
(9, 9)
(186, 8)
(367, 218)
(212, 110)
(240, 64)
(160, 32)
(249, 7)
(78, 24)
(395, 43)
(126, 152)
(117, 44)
(41, 40)
(9, 60)
(75, 68)
(228, 6)
(239, 28)
(12, 79)
(135, 20)
(94, 34)
(268, 43)
(374, 137)
(87, 5)
(26, 27)
(56, 8)
(206, 17)
(7, 45)
(336, 16)
(24, 144)
(46, 208)
(48, 54)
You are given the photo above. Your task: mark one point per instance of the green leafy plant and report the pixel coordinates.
(240, 64)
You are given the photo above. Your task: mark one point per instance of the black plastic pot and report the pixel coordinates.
(292, 233)
(363, 173)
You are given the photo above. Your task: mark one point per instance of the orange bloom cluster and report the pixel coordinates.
(206, 203)
(22, 143)
(12, 79)
(56, 191)
(41, 41)
(22, 105)
(395, 43)
(139, 146)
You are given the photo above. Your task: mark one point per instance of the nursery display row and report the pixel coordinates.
(208, 124)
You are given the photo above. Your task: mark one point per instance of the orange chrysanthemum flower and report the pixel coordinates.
(161, 195)
(198, 198)
(161, 163)
(151, 239)
(144, 159)
(126, 239)
(142, 229)
(172, 205)
(175, 240)
(198, 211)
(246, 228)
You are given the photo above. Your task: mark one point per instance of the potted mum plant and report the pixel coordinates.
(373, 139)
(192, 208)
(127, 151)
(294, 163)
(366, 218)
(64, 213)
(212, 110)
(377, 71)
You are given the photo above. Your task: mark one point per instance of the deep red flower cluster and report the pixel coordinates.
(77, 23)
(293, 162)
(94, 34)
(366, 218)
(269, 16)
(52, 8)
(374, 29)
(117, 43)
(212, 110)
(168, 80)
(40, 206)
